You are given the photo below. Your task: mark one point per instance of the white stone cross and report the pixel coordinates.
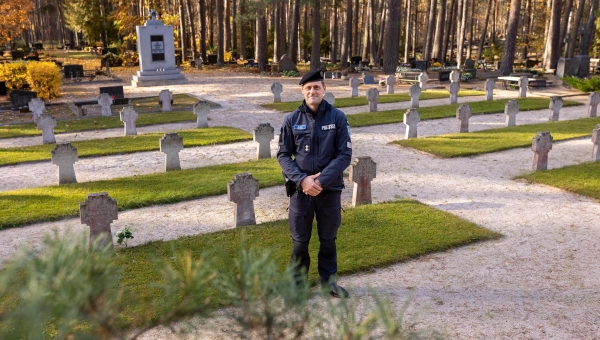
(511, 108)
(354, 84)
(414, 92)
(276, 88)
(523, 85)
(37, 106)
(47, 123)
(129, 116)
(423, 79)
(98, 211)
(412, 117)
(390, 81)
(165, 98)
(264, 134)
(455, 76)
(201, 110)
(242, 191)
(596, 141)
(105, 101)
(329, 97)
(556, 103)
(490, 84)
(372, 97)
(362, 172)
(170, 145)
(65, 155)
(541, 145)
(454, 88)
(593, 101)
(463, 113)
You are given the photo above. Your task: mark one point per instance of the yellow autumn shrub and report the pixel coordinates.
(44, 78)
(15, 74)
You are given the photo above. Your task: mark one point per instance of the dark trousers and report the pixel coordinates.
(327, 208)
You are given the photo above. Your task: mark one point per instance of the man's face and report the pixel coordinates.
(313, 92)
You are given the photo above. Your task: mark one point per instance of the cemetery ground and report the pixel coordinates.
(539, 280)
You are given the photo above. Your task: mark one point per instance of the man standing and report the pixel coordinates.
(317, 136)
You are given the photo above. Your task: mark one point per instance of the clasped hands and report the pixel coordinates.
(311, 185)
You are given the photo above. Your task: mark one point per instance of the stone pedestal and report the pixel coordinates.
(566, 67)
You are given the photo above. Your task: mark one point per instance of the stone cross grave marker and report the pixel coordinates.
(423, 79)
(98, 211)
(523, 85)
(37, 106)
(354, 84)
(454, 76)
(201, 110)
(47, 123)
(463, 114)
(454, 88)
(362, 172)
(541, 145)
(490, 84)
(390, 81)
(412, 117)
(105, 101)
(329, 97)
(593, 101)
(129, 116)
(276, 88)
(242, 191)
(372, 97)
(170, 145)
(264, 134)
(556, 103)
(596, 141)
(511, 108)
(165, 98)
(65, 155)
(415, 93)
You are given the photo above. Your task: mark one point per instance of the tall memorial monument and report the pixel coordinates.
(156, 49)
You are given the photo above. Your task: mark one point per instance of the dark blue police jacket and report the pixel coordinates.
(320, 144)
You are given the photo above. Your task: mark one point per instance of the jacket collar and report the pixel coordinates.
(323, 107)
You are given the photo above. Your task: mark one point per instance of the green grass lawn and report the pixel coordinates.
(125, 144)
(371, 236)
(384, 98)
(474, 143)
(449, 110)
(581, 179)
(27, 206)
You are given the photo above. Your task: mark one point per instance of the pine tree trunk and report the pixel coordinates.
(356, 43)
(367, 30)
(234, 40)
(508, 58)
(553, 39)
(447, 32)
(526, 26)
(391, 37)
(470, 26)
(220, 34)
(211, 23)
(262, 53)
(430, 30)
(276, 32)
(438, 40)
(182, 34)
(315, 55)
(384, 18)
(202, 15)
(192, 28)
(227, 23)
(283, 30)
(461, 32)
(293, 40)
(334, 33)
(575, 28)
(591, 26)
(408, 29)
(347, 45)
(564, 23)
(243, 25)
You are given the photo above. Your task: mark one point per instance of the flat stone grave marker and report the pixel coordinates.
(490, 84)
(47, 123)
(556, 103)
(116, 93)
(287, 64)
(354, 84)
(129, 116)
(454, 76)
(98, 211)
(469, 63)
(390, 81)
(105, 101)
(21, 98)
(276, 88)
(328, 75)
(170, 145)
(73, 71)
(369, 80)
(263, 135)
(423, 79)
(165, 98)
(201, 110)
(362, 172)
(541, 145)
(463, 114)
(596, 141)
(523, 85)
(414, 92)
(412, 117)
(511, 108)
(36, 106)
(65, 155)
(372, 97)
(329, 97)
(593, 101)
(242, 191)
(454, 88)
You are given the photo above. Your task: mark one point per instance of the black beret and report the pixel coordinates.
(314, 75)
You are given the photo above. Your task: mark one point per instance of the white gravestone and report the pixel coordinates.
(490, 84)
(170, 145)
(523, 85)
(242, 191)
(455, 76)
(37, 107)
(329, 97)
(98, 211)
(596, 141)
(47, 123)
(390, 81)
(354, 84)
(165, 98)
(454, 88)
(511, 108)
(372, 97)
(593, 101)
(423, 79)
(556, 103)
(362, 172)
(65, 155)
(201, 110)
(412, 117)
(414, 92)
(105, 101)
(129, 116)
(263, 135)
(541, 145)
(276, 88)
(463, 114)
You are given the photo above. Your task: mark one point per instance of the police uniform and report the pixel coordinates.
(318, 142)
